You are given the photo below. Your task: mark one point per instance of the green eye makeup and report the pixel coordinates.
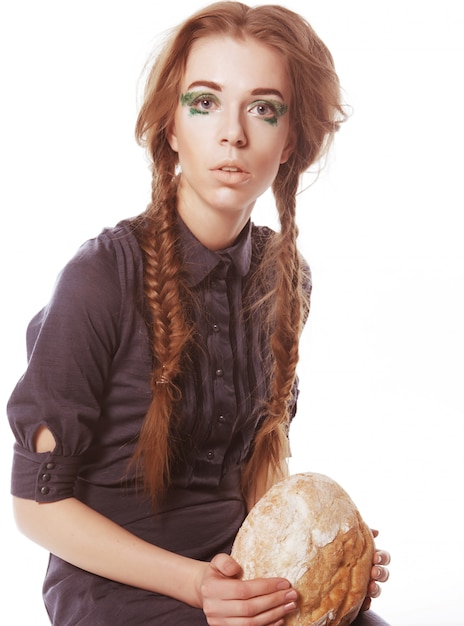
(271, 110)
(200, 103)
(195, 100)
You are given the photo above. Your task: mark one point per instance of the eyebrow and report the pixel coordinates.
(259, 91)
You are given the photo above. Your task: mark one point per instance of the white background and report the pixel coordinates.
(382, 356)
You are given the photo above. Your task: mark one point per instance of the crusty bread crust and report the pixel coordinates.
(307, 529)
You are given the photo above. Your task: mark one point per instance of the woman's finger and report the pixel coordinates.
(382, 557)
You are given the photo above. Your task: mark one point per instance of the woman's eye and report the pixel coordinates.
(199, 103)
(204, 103)
(263, 109)
(268, 110)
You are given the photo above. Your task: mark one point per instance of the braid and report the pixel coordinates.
(279, 277)
(169, 331)
(285, 320)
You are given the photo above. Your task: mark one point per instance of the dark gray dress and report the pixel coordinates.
(88, 381)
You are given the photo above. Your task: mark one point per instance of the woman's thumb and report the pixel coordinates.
(226, 565)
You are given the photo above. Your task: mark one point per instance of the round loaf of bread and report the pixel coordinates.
(307, 529)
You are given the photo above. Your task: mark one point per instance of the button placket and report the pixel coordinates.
(218, 320)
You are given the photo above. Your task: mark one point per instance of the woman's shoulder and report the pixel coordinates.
(113, 252)
(260, 233)
(260, 237)
(109, 243)
(104, 269)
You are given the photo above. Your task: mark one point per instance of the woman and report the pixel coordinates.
(161, 379)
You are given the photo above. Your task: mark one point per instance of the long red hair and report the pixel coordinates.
(315, 116)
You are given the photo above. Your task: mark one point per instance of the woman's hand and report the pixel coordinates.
(227, 600)
(379, 574)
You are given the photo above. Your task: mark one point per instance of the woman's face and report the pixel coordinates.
(231, 128)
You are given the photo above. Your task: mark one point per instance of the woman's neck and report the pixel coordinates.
(216, 231)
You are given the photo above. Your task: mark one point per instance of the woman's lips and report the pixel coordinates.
(231, 175)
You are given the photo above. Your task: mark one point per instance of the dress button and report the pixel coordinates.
(216, 328)
(210, 455)
(213, 284)
(50, 466)
(46, 478)
(219, 373)
(45, 491)
(221, 419)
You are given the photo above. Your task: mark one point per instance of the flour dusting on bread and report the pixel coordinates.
(308, 530)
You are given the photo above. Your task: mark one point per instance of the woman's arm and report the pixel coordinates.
(83, 537)
(78, 534)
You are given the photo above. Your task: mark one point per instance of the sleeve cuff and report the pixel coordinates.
(43, 476)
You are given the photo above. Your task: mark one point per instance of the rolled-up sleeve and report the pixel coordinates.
(70, 345)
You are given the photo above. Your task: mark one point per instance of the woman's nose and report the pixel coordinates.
(233, 131)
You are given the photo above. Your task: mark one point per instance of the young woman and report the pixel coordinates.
(161, 379)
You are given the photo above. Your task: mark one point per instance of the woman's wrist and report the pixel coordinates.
(182, 578)
(198, 575)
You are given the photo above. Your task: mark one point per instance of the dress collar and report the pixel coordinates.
(201, 261)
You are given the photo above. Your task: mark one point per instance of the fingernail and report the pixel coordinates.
(284, 584)
(291, 606)
(279, 623)
(291, 595)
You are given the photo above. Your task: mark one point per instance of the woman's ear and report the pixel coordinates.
(287, 151)
(172, 137)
